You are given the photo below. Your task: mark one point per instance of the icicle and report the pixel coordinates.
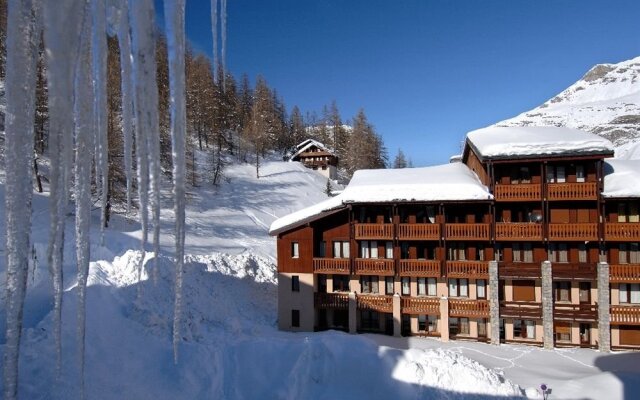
(174, 20)
(141, 14)
(83, 109)
(22, 46)
(62, 20)
(223, 24)
(214, 31)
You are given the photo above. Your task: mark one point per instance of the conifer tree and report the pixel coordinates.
(400, 161)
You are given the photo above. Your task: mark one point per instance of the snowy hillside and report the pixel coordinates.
(605, 101)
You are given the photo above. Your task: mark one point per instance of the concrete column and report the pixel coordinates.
(444, 319)
(397, 317)
(604, 319)
(353, 307)
(547, 305)
(494, 303)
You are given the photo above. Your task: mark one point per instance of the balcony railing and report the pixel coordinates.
(518, 231)
(374, 266)
(521, 192)
(375, 303)
(374, 231)
(420, 305)
(419, 231)
(573, 232)
(467, 231)
(622, 231)
(624, 273)
(575, 312)
(519, 270)
(331, 300)
(573, 191)
(422, 268)
(468, 308)
(625, 315)
(520, 309)
(574, 271)
(468, 269)
(331, 265)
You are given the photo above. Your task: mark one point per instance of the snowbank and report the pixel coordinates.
(622, 178)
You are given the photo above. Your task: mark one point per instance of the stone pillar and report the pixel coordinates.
(444, 319)
(547, 305)
(353, 307)
(397, 317)
(604, 317)
(494, 303)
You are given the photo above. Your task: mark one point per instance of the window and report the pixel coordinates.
(628, 212)
(295, 318)
(388, 246)
(341, 249)
(482, 327)
(629, 293)
(431, 286)
(584, 293)
(580, 177)
(498, 252)
(295, 250)
(422, 323)
(404, 251)
(388, 285)
(369, 284)
(524, 329)
(562, 291)
(322, 249)
(295, 283)
(556, 174)
(322, 283)
(369, 320)
(481, 288)
(524, 290)
(458, 326)
(517, 257)
(558, 252)
(520, 175)
(563, 331)
(369, 249)
(406, 286)
(458, 288)
(426, 286)
(340, 283)
(582, 253)
(456, 252)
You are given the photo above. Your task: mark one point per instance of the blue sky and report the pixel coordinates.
(426, 72)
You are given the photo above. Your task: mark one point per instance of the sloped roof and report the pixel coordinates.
(622, 178)
(307, 144)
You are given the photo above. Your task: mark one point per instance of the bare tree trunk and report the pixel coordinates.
(37, 175)
(257, 162)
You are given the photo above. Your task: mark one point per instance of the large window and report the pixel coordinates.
(340, 283)
(456, 251)
(341, 249)
(426, 286)
(628, 253)
(558, 252)
(481, 288)
(584, 293)
(459, 287)
(556, 174)
(524, 329)
(369, 320)
(628, 212)
(388, 285)
(406, 286)
(427, 323)
(369, 284)
(562, 291)
(369, 249)
(388, 250)
(295, 250)
(580, 175)
(629, 293)
(522, 252)
(458, 326)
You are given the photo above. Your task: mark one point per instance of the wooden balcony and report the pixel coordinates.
(373, 231)
(468, 269)
(420, 305)
(572, 191)
(622, 231)
(517, 231)
(419, 231)
(375, 266)
(575, 312)
(520, 309)
(331, 266)
(467, 231)
(469, 308)
(624, 273)
(331, 300)
(422, 268)
(574, 271)
(521, 192)
(625, 315)
(375, 303)
(519, 270)
(573, 232)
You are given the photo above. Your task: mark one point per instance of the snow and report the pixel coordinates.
(527, 141)
(622, 178)
(304, 146)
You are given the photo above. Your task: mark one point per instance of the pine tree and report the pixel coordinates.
(400, 161)
(328, 189)
(297, 131)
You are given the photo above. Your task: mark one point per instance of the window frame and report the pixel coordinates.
(295, 283)
(295, 250)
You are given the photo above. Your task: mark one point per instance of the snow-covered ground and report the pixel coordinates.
(231, 347)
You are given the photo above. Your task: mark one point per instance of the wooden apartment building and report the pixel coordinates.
(513, 244)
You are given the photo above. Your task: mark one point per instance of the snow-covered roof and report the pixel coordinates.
(448, 182)
(530, 141)
(306, 145)
(622, 178)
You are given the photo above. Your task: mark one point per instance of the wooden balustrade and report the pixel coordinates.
(575, 312)
(419, 231)
(468, 269)
(420, 305)
(331, 300)
(574, 271)
(422, 268)
(625, 315)
(572, 191)
(518, 231)
(518, 270)
(331, 266)
(624, 273)
(373, 231)
(467, 231)
(375, 266)
(573, 232)
(375, 303)
(622, 231)
(468, 308)
(520, 309)
(520, 192)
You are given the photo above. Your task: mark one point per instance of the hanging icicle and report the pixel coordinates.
(22, 54)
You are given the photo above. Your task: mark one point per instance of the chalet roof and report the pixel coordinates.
(448, 182)
(531, 141)
(307, 144)
(622, 178)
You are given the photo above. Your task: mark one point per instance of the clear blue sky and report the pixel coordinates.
(425, 72)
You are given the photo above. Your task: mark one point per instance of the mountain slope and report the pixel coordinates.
(605, 101)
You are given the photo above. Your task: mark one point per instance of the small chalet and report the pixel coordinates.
(315, 155)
